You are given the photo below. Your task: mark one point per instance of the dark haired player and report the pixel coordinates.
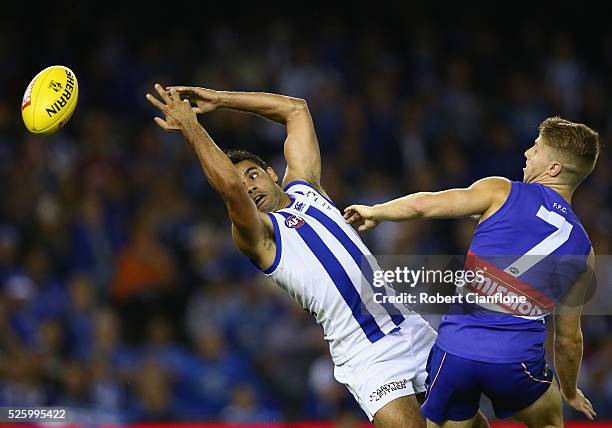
(298, 238)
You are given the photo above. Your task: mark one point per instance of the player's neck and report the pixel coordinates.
(284, 202)
(564, 190)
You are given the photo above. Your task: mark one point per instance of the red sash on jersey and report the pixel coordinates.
(494, 281)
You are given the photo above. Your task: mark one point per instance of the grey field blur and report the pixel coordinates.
(121, 293)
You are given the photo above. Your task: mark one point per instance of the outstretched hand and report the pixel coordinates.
(178, 114)
(361, 217)
(580, 403)
(206, 100)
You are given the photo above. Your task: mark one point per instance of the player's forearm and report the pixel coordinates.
(417, 205)
(218, 168)
(404, 208)
(278, 108)
(568, 356)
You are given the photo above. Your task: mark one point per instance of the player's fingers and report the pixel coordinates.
(175, 96)
(590, 408)
(365, 227)
(585, 409)
(355, 218)
(361, 210)
(163, 124)
(162, 93)
(347, 213)
(351, 213)
(188, 92)
(155, 102)
(182, 89)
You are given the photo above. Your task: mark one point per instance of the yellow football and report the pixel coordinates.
(50, 100)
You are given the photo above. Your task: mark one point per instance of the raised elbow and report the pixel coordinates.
(299, 105)
(228, 186)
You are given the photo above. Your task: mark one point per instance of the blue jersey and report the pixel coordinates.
(533, 246)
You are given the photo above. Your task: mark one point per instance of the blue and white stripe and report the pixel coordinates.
(325, 266)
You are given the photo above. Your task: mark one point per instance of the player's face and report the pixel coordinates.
(260, 184)
(537, 162)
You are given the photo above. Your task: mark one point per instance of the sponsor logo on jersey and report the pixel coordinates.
(387, 388)
(299, 206)
(493, 281)
(294, 222)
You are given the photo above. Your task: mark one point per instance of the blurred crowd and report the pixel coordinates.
(121, 293)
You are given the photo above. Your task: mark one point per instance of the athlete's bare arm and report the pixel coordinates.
(568, 344)
(483, 198)
(251, 230)
(301, 146)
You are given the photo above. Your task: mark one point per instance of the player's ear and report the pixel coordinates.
(555, 168)
(272, 174)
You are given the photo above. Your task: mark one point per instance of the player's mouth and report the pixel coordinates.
(259, 200)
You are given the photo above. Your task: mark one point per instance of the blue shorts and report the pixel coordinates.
(454, 385)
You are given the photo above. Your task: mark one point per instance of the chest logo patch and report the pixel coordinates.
(294, 222)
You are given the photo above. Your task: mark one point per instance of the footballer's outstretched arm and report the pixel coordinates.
(483, 198)
(568, 344)
(250, 229)
(301, 147)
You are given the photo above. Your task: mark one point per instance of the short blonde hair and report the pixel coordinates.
(575, 142)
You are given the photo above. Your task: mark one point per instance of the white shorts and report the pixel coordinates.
(392, 367)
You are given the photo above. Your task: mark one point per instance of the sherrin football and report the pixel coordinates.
(50, 100)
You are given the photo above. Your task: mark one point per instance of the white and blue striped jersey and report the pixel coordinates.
(323, 264)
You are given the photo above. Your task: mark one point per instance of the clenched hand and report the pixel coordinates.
(361, 216)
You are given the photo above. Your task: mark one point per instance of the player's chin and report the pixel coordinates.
(265, 208)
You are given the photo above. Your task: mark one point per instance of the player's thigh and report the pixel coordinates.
(546, 411)
(403, 412)
(453, 388)
(452, 424)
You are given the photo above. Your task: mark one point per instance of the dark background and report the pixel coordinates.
(121, 292)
